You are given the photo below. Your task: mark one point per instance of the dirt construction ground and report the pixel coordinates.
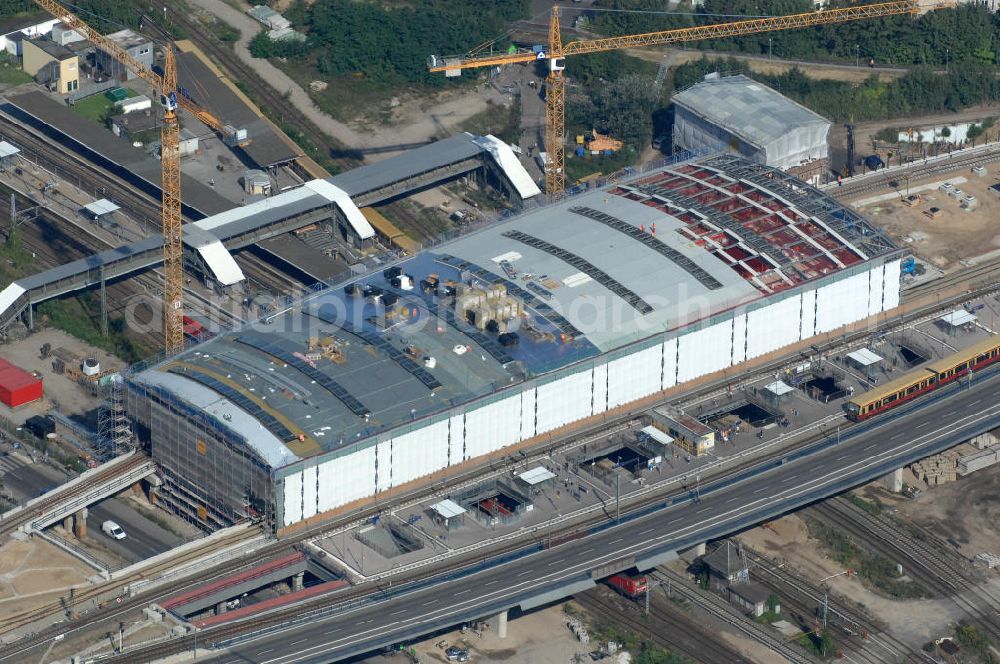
(35, 572)
(966, 511)
(541, 636)
(955, 234)
(60, 391)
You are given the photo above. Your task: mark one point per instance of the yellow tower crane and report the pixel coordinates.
(555, 90)
(170, 161)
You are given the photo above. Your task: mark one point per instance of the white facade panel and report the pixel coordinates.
(855, 305)
(739, 338)
(600, 389)
(383, 465)
(704, 351)
(309, 497)
(827, 308)
(493, 426)
(773, 327)
(528, 414)
(293, 499)
(563, 401)
(669, 364)
(890, 289)
(634, 376)
(419, 452)
(876, 279)
(346, 479)
(808, 314)
(456, 440)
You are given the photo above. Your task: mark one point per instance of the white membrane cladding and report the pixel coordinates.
(310, 492)
(293, 499)
(563, 401)
(493, 426)
(600, 397)
(535, 410)
(635, 376)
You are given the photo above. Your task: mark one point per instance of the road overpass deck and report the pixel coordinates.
(536, 573)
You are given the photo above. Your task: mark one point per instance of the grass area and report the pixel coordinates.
(975, 642)
(14, 258)
(80, 317)
(581, 167)
(306, 143)
(98, 107)
(820, 644)
(11, 72)
(873, 507)
(875, 570)
(644, 652)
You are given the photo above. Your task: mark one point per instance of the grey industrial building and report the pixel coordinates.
(752, 120)
(136, 45)
(504, 336)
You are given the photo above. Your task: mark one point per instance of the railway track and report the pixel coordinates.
(264, 94)
(867, 642)
(665, 627)
(12, 523)
(946, 574)
(95, 593)
(136, 204)
(330, 603)
(721, 610)
(914, 170)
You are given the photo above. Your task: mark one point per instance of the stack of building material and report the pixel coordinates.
(937, 469)
(990, 560)
(986, 440)
(982, 459)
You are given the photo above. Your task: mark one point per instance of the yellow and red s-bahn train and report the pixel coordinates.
(923, 380)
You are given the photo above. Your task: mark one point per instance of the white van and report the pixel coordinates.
(113, 530)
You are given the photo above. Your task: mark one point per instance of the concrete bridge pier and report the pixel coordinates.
(297, 581)
(220, 608)
(498, 624)
(68, 523)
(80, 524)
(696, 550)
(894, 481)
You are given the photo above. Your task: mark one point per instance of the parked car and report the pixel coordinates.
(456, 654)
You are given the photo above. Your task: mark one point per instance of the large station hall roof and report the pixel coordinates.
(592, 274)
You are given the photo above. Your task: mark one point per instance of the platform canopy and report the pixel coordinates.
(657, 435)
(779, 388)
(448, 509)
(8, 150)
(100, 208)
(958, 318)
(865, 357)
(536, 476)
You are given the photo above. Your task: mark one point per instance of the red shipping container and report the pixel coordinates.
(17, 386)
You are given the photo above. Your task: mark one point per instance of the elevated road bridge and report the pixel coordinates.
(537, 574)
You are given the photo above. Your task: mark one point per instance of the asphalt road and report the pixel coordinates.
(145, 538)
(724, 507)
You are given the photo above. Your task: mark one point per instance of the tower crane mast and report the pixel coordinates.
(170, 163)
(555, 89)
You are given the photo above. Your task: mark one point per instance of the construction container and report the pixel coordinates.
(17, 386)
